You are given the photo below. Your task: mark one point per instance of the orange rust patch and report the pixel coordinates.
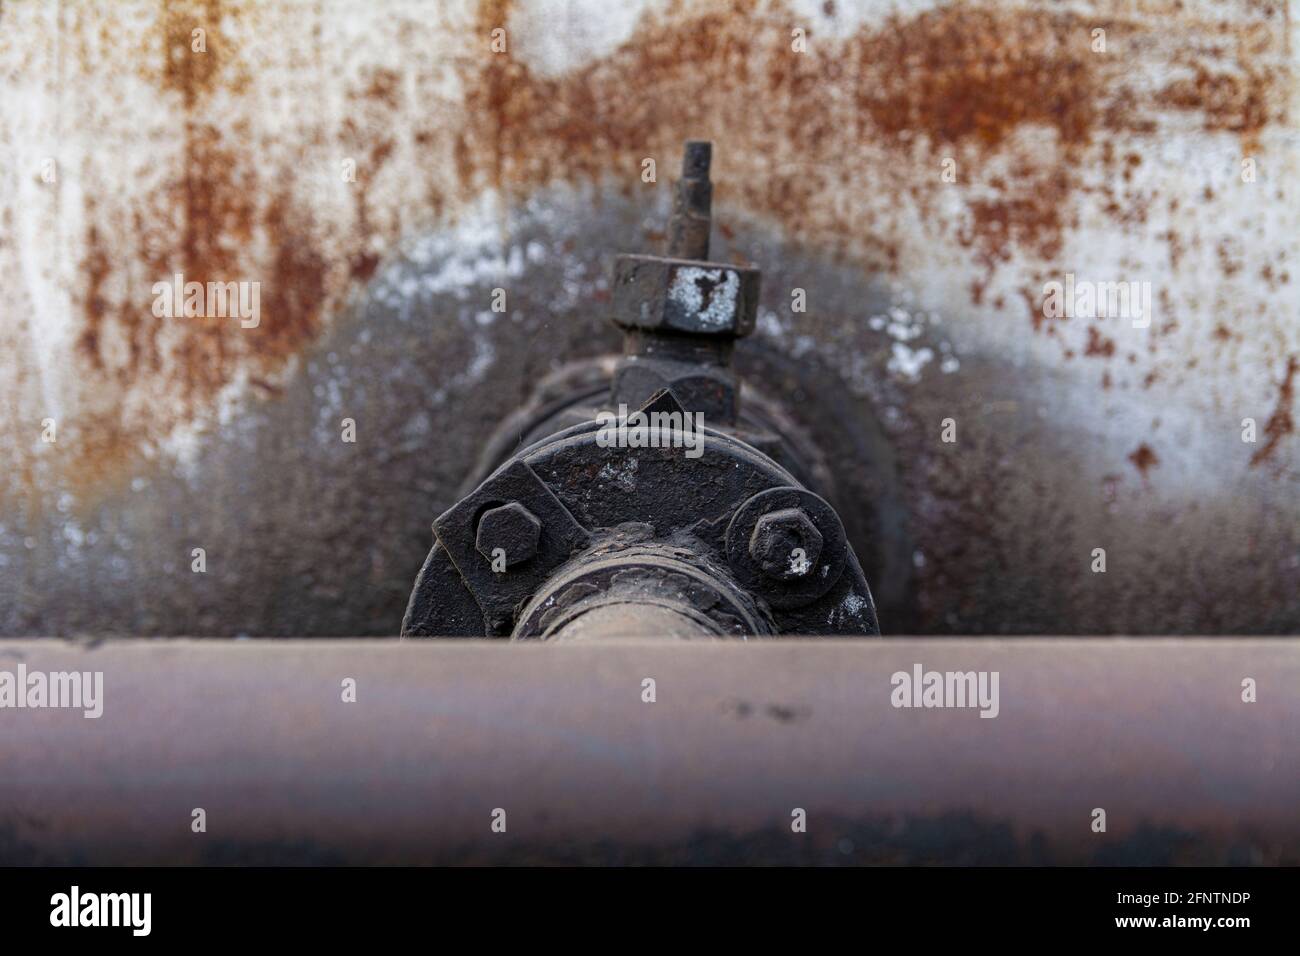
(832, 144)
(1280, 423)
(1098, 344)
(1143, 458)
(956, 78)
(1226, 102)
(204, 221)
(193, 73)
(217, 200)
(963, 73)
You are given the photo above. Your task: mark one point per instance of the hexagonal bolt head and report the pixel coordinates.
(512, 528)
(777, 539)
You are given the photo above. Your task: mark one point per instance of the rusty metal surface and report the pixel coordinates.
(522, 170)
(440, 736)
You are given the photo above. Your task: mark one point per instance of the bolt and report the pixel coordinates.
(511, 528)
(786, 544)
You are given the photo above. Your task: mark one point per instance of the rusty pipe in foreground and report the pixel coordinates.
(739, 736)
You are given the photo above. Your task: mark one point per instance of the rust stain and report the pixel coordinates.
(191, 72)
(1098, 344)
(956, 82)
(827, 143)
(962, 73)
(1280, 423)
(1143, 458)
(1226, 102)
(202, 222)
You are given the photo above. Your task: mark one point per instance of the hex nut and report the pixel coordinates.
(512, 528)
(661, 294)
(774, 542)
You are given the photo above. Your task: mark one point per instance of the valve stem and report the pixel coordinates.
(692, 216)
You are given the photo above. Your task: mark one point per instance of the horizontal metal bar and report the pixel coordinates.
(738, 738)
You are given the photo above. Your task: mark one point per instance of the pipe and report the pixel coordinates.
(655, 751)
(635, 619)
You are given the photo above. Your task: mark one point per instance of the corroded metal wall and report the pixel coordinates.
(378, 169)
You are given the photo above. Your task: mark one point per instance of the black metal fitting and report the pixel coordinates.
(684, 518)
(680, 313)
